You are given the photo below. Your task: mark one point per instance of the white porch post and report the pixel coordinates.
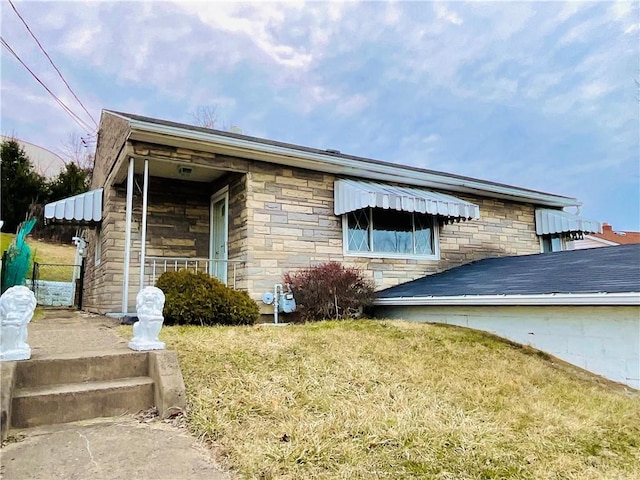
(143, 245)
(127, 238)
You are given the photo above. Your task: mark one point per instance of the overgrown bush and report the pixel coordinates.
(330, 291)
(197, 299)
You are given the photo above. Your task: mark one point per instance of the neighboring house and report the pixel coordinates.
(582, 306)
(608, 237)
(247, 210)
(45, 162)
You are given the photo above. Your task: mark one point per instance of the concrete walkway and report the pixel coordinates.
(127, 447)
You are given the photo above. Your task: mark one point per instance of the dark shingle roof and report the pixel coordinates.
(597, 270)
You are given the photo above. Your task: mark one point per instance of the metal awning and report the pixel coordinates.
(80, 209)
(351, 195)
(550, 222)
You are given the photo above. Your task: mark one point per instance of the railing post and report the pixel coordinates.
(34, 275)
(3, 274)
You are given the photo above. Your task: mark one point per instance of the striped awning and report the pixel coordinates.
(79, 209)
(551, 222)
(351, 195)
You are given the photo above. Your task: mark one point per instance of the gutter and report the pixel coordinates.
(332, 163)
(569, 299)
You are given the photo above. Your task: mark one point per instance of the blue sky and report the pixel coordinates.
(541, 95)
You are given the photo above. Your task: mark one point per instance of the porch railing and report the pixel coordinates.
(156, 266)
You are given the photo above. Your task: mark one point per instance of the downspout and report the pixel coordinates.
(127, 238)
(143, 245)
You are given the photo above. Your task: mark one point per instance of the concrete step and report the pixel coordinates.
(75, 369)
(62, 403)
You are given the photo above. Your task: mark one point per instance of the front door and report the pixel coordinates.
(219, 231)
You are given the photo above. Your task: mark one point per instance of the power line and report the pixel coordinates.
(75, 117)
(52, 64)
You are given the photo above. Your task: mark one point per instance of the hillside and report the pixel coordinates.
(44, 252)
(382, 399)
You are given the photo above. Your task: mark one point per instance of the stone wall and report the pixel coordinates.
(280, 219)
(103, 278)
(54, 294)
(178, 218)
(177, 226)
(292, 225)
(238, 247)
(111, 137)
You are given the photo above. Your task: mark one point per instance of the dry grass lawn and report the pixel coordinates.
(382, 399)
(43, 252)
(49, 254)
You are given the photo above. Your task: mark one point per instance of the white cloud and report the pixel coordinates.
(392, 14)
(621, 10)
(634, 27)
(80, 40)
(539, 85)
(256, 22)
(431, 138)
(443, 13)
(352, 104)
(594, 90)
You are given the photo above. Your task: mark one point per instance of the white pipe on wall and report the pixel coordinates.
(143, 244)
(127, 238)
(276, 298)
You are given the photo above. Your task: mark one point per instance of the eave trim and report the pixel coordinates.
(626, 298)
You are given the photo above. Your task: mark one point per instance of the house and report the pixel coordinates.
(607, 237)
(247, 210)
(582, 306)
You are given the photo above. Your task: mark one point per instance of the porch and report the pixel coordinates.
(162, 210)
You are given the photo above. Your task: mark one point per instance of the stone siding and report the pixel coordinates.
(292, 225)
(111, 136)
(103, 281)
(177, 226)
(280, 219)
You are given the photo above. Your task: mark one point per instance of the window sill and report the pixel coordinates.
(397, 256)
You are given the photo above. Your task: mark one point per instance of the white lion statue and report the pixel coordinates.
(149, 305)
(17, 305)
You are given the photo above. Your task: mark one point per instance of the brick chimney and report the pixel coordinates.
(606, 228)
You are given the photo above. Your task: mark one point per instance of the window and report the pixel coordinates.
(378, 232)
(552, 243)
(98, 247)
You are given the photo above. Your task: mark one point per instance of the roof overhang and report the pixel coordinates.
(550, 222)
(351, 195)
(568, 299)
(331, 162)
(83, 209)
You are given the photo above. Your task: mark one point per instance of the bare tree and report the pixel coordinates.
(205, 116)
(79, 150)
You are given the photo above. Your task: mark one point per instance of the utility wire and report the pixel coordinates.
(75, 117)
(52, 64)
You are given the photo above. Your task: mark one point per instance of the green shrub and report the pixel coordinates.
(330, 291)
(197, 299)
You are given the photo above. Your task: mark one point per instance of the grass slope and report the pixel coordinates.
(49, 254)
(381, 399)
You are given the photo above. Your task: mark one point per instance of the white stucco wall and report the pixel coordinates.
(602, 340)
